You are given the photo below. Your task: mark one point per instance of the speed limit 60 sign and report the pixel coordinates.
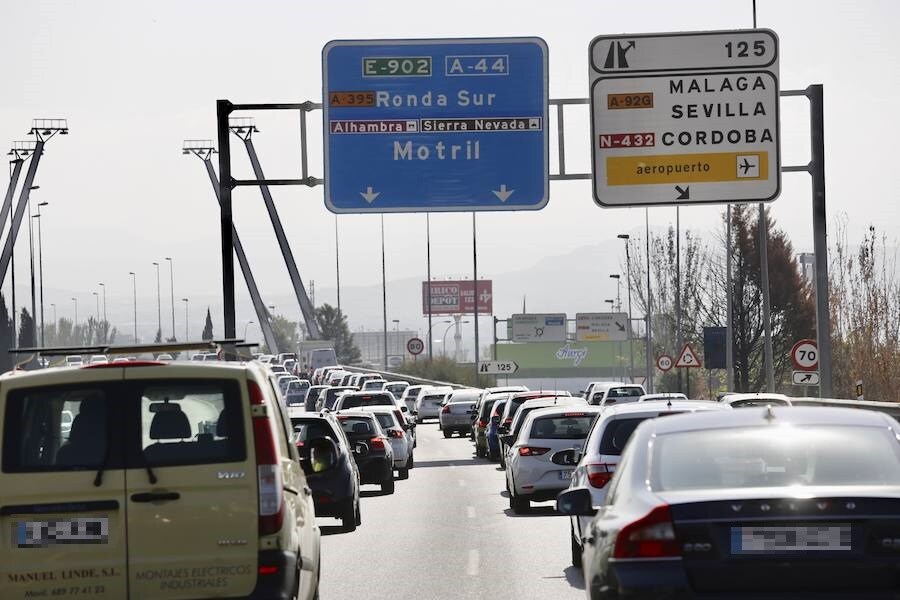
(805, 355)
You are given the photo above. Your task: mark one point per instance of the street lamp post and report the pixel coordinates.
(247, 324)
(97, 302)
(55, 324)
(75, 323)
(618, 279)
(396, 323)
(134, 292)
(186, 331)
(158, 303)
(34, 336)
(625, 237)
(103, 285)
(452, 324)
(612, 304)
(41, 265)
(172, 290)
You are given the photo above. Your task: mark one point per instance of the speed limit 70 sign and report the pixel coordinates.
(805, 355)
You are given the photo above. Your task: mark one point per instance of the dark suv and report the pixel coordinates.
(336, 490)
(371, 448)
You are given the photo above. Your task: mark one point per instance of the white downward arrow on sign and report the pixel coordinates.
(503, 193)
(369, 195)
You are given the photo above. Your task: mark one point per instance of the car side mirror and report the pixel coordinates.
(415, 413)
(323, 455)
(404, 409)
(495, 420)
(504, 429)
(360, 448)
(576, 502)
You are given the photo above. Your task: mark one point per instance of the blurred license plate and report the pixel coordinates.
(793, 538)
(565, 475)
(39, 534)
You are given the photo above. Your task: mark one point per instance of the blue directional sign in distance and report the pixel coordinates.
(435, 125)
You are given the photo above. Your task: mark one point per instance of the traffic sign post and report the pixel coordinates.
(497, 367)
(685, 118)
(436, 125)
(805, 355)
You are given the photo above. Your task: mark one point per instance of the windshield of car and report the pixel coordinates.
(366, 400)
(574, 426)
(831, 455)
(498, 408)
(751, 402)
(310, 429)
(625, 392)
(486, 408)
(358, 425)
(386, 420)
(617, 433)
(331, 396)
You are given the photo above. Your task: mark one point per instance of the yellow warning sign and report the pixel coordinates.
(687, 168)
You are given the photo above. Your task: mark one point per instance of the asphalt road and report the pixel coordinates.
(448, 532)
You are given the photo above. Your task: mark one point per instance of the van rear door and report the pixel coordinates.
(62, 509)
(191, 486)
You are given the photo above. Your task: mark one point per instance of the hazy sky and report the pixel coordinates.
(134, 79)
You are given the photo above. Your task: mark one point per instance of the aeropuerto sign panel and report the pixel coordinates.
(685, 118)
(435, 125)
(601, 327)
(458, 297)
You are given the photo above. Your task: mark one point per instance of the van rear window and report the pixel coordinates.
(60, 428)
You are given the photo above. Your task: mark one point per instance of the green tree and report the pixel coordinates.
(207, 327)
(333, 326)
(6, 337)
(286, 332)
(26, 330)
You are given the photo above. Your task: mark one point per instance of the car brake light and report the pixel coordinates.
(268, 570)
(396, 433)
(599, 474)
(446, 410)
(268, 471)
(482, 423)
(532, 451)
(651, 536)
(377, 442)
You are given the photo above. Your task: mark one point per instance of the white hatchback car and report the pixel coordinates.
(620, 394)
(604, 445)
(394, 425)
(430, 401)
(540, 462)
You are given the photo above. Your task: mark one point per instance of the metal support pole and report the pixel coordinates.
(11, 190)
(820, 238)
(679, 341)
(475, 303)
(428, 275)
(265, 324)
(337, 263)
(6, 256)
(729, 316)
(630, 333)
(34, 335)
(649, 382)
(767, 310)
(384, 295)
(306, 307)
(495, 336)
(158, 304)
(41, 271)
(223, 110)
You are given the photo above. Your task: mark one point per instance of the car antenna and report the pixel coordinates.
(669, 403)
(770, 414)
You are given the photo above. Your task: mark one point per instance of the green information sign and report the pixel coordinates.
(571, 359)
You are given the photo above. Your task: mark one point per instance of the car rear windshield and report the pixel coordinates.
(367, 400)
(434, 397)
(616, 435)
(562, 427)
(776, 457)
(331, 396)
(358, 425)
(486, 408)
(624, 392)
(386, 421)
(498, 408)
(310, 429)
(751, 402)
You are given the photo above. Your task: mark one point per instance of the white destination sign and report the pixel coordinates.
(685, 118)
(539, 327)
(601, 327)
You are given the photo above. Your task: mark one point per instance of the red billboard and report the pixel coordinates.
(458, 297)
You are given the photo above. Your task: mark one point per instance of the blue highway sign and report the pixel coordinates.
(435, 125)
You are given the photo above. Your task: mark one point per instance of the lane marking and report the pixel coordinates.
(474, 563)
(470, 512)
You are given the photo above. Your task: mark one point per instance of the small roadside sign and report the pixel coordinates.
(688, 358)
(415, 346)
(664, 362)
(805, 355)
(805, 377)
(497, 367)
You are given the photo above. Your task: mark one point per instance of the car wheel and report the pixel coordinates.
(576, 548)
(348, 517)
(403, 473)
(387, 487)
(502, 462)
(411, 462)
(519, 504)
(358, 515)
(418, 421)
(447, 434)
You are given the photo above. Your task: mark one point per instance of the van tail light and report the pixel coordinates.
(377, 442)
(599, 474)
(268, 471)
(651, 536)
(532, 451)
(446, 410)
(396, 433)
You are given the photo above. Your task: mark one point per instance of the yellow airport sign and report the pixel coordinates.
(687, 168)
